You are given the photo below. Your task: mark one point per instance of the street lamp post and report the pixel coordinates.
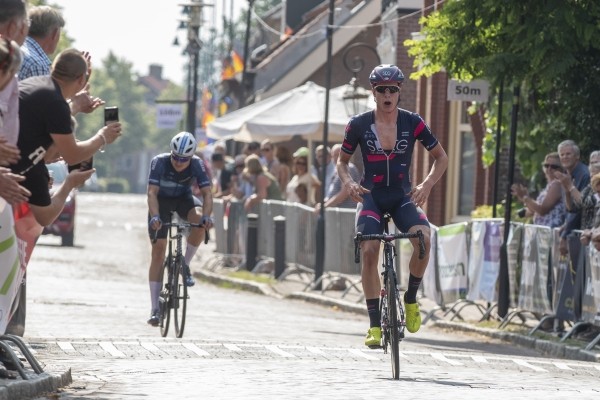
(355, 96)
(194, 11)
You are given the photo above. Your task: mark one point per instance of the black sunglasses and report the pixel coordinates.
(552, 166)
(392, 89)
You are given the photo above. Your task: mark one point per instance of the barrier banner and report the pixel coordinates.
(11, 272)
(595, 281)
(405, 251)
(578, 263)
(484, 260)
(533, 294)
(565, 281)
(513, 251)
(588, 302)
(430, 283)
(452, 261)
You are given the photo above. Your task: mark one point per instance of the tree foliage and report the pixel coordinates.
(550, 48)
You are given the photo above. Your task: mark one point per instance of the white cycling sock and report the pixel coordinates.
(154, 293)
(190, 251)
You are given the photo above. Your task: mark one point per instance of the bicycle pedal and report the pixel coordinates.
(375, 347)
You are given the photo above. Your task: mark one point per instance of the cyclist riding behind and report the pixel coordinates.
(169, 189)
(387, 136)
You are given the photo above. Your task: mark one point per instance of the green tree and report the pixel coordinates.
(549, 48)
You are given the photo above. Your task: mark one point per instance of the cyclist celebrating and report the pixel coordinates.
(387, 136)
(170, 189)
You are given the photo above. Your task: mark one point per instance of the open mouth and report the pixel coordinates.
(387, 103)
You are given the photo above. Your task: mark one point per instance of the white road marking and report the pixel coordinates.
(479, 359)
(232, 347)
(277, 350)
(195, 349)
(562, 365)
(111, 349)
(150, 347)
(66, 346)
(441, 357)
(315, 350)
(362, 354)
(524, 363)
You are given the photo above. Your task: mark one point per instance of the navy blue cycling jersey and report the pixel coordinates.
(387, 167)
(175, 184)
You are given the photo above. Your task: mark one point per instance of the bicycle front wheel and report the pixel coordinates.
(164, 300)
(394, 325)
(180, 296)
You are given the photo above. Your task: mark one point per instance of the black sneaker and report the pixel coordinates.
(189, 280)
(153, 320)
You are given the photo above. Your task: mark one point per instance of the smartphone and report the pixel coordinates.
(111, 114)
(82, 166)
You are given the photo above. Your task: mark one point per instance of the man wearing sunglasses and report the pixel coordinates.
(387, 136)
(170, 189)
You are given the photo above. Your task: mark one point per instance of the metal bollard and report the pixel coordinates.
(252, 242)
(279, 245)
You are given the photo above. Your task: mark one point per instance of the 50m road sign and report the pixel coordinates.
(476, 90)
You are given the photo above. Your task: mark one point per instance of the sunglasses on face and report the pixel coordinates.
(391, 89)
(552, 166)
(178, 159)
(266, 149)
(300, 163)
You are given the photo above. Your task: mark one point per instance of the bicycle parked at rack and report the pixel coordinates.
(390, 306)
(174, 294)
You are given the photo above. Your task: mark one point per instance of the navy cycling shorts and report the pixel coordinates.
(182, 205)
(394, 201)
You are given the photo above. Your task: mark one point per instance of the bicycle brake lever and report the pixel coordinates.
(421, 244)
(206, 236)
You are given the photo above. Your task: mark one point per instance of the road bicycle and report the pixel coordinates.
(174, 293)
(390, 305)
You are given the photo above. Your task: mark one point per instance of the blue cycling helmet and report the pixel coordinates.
(386, 74)
(183, 144)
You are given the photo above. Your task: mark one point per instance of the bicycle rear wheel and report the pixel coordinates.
(180, 295)
(394, 325)
(164, 300)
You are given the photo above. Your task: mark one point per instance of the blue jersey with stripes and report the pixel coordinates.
(387, 167)
(176, 184)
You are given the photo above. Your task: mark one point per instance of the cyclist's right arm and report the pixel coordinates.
(155, 222)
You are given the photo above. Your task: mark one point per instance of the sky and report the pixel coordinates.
(139, 31)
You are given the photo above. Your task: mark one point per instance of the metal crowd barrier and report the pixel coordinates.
(463, 267)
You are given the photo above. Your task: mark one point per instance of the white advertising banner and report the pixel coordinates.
(452, 260)
(484, 260)
(11, 273)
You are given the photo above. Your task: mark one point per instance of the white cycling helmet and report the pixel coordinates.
(183, 144)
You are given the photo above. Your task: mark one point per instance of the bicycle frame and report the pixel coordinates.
(390, 305)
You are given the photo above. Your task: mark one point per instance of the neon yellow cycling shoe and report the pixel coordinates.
(373, 338)
(413, 317)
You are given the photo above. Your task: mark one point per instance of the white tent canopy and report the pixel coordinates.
(300, 111)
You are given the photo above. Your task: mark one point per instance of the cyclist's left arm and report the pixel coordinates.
(207, 206)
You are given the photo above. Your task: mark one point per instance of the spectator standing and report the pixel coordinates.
(41, 42)
(45, 120)
(549, 207)
(338, 194)
(265, 184)
(10, 190)
(587, 201)
(323, 160)
(302, 176)
(268, 159)
(579, 175)
(221, 176)
(284, 157)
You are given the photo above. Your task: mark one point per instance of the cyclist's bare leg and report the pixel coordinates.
(196, 234)
(371, 282)
(417, 267)
(158, 257)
